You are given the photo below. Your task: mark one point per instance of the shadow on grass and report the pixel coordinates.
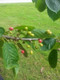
(53, 58)
(1, 45)
(22, 48)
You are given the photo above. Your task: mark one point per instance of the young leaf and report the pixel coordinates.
(53, 5)
(41, 5)
(1, 31)
(10, 55)
(53, 58)
(48, 44)
(23, 27)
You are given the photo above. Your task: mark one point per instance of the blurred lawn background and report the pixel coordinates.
(30, 67)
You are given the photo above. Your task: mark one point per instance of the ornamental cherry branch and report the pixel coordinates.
(26, 39)
(17, 38)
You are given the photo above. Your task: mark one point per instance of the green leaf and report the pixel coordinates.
(53, 58)
(40, 5)
(23, 27)
(1, 31)
(48, 44)
(32, 44)
(54, 16)
(57, 45)
(53, 5)
(22, 47)
(42, 34)
(34, 0)
(1, 45)
(58, 36)
(10, 55)
(16, 70)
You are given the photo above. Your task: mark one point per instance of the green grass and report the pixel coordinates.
(26, 14)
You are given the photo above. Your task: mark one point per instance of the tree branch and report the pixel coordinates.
(24, 39)
(17, 38)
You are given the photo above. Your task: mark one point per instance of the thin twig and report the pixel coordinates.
(16, 38)
(26, 39)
